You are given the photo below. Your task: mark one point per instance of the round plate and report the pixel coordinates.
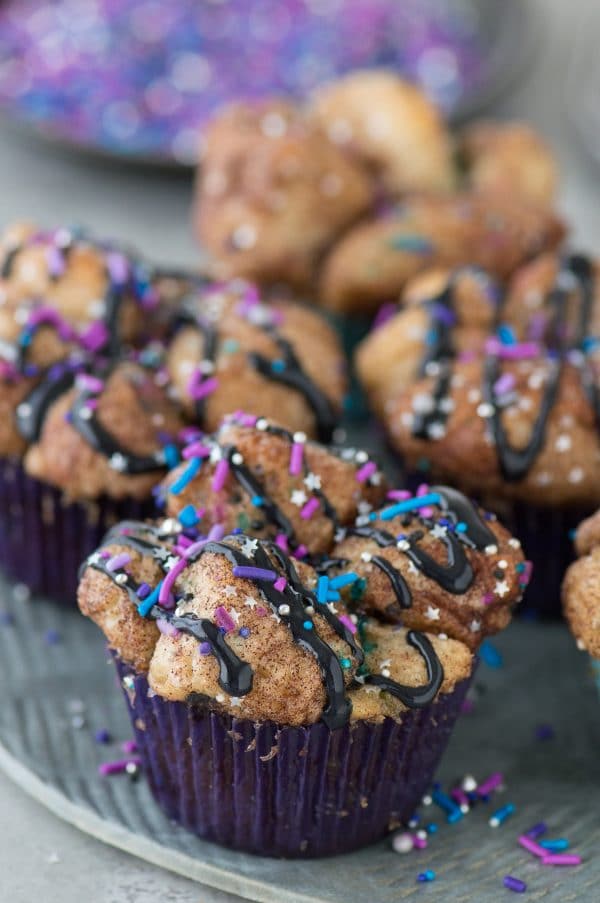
(59, 689)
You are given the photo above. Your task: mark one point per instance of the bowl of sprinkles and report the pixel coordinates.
(138, 79)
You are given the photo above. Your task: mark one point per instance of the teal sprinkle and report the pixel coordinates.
(171, 455)
(357, 590)
(343, 580)
(520, 568)
(257, 501)
(345, 663)
(186, 477)
(423, 464)
(414, 244)
(308, 625)
(278, 366)
(149, 602)
(25, 339)
(590, 343)
(490, 655)
(188, 517)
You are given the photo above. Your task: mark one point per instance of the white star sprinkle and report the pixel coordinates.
(235, 615)
(312, 481)
(438, 532)
(160, 553)
(275, 617)
(235, 702)
(299, 498)
(229, 591)
(249, 547)
(249, 602)
(432, 613)
(501, 588)
(475, 626)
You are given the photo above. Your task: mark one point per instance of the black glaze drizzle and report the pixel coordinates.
(514, 463)
(292, 374)
(235, 675)
(455, 577)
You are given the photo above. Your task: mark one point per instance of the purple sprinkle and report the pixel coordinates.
(52, 637)
(118, 267)
(118, 766)
(504, 384)
(129, 746)
(205, 648)
(515, 884)
(544, 732)
(251, 573)
(118, 561)
(244, 632)
(224, 619)
(537, 830)
(102, 736)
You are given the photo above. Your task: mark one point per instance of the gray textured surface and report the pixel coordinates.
(543, 681)
(152, 209)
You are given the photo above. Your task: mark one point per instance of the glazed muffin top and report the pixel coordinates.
(106, 362)
(278, 197)
(498, 392)
(239, 622)
(256, 476)
(581, 587)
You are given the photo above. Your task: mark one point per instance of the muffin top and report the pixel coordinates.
(581, 587)
(106, 362)
(273, 192)
(374, 260)
(240, 623)
(256, 476)
(229, 350)
(498, 392)
(401, 137)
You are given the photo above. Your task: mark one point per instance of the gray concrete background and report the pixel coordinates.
(40, 857)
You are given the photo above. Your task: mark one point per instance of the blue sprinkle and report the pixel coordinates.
(590, 343)
(332, 596)
(278, 366)
(490, 655)
(427, 875)
(322, 584)
(308, 625)
(171, 455)
(555, 846)
(257, 501)
(102, 736)
(461, 527)
(188, 516)
(343, 580)
(186, 477)
(245, 632)
(431, 828)
(506, 334)
(419, 501)
(146, 606)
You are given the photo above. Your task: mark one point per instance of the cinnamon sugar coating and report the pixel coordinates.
(273, 193)
(581, 587)
(391, 126)
(326, 482)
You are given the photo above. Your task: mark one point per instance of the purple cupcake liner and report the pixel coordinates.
(547, 538)
(286, 791)
(44, 538)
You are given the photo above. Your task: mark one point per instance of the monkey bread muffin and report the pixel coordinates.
(108, 366)
(254, 670)
(498, 392)
(581, 592)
